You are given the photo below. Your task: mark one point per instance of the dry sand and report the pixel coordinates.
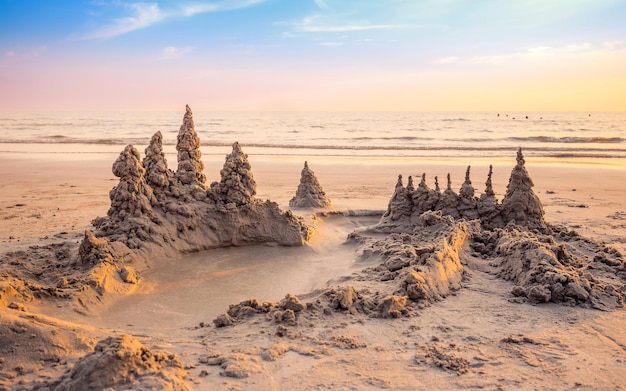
(478, 337)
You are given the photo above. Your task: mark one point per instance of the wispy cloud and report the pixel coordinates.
(446, 60)
(331, 44)
(173, 52)
(613, 45)
(322, 4)
(311, 25)
(144, 15)
(535, 53)
(147, 14)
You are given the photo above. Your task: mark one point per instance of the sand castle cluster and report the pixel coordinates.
(520, 205)
(423, 249)
(514, 236)
(429, 232)
(154, 207)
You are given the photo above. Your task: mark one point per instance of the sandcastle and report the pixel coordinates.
(521, 245)
(154, 209)
(520, 205)
(310, 193)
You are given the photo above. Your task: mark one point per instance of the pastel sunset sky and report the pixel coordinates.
(357, 55)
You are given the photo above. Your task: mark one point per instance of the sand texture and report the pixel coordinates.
(310, 193)
(183, 285)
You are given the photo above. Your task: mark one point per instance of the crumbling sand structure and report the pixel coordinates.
(123, 363)
(310, 193)
(520, 204)
(157, 211)
(522, 247)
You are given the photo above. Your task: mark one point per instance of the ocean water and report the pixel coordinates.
(551, 135)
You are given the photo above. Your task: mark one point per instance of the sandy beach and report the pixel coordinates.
(478, 337)
(367, 195)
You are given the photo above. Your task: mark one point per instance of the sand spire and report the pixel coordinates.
(132, 196)
(190, 167)
(131, 201)
(399, 182)
(488, 186)
(237, 185)
(467, 201)
(310, 193)
(158, 176)
(487, 205)
(520, 204)
(410, 186)
(467, 190)
(448, 200)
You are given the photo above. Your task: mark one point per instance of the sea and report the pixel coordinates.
(567, 136)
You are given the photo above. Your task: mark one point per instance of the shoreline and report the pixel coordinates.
(584, 191)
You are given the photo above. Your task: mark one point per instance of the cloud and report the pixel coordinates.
(9, 53)
(172, 52)
(331, 44)
(536, 53)
(613, 45)
(148, 14)
(310, 25)
(322, 4)
(446, 60)
(145, 15)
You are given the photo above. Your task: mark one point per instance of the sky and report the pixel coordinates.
(313, 55)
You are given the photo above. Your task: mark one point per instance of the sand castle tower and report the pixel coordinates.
(237, 185)
(132, 196)
(158, 176)
(400, 203)
(520, 204)
(467, 201)
(410, 186)
(190, 168)
(310, 193)
(448, 201)
(487, 204)
(131, 202)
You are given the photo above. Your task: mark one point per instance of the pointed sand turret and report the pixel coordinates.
(158, 176)
(520, 204)
(190, 168)
(237, 185)
(310, 193)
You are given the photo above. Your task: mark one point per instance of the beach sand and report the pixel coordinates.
(476, 338)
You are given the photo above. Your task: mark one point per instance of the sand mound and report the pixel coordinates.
(423, 264)
(123, 363)
(557, 267)
(310, 193)
(37, 345)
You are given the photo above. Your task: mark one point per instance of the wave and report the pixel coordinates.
(570, 140)
(472, 143)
